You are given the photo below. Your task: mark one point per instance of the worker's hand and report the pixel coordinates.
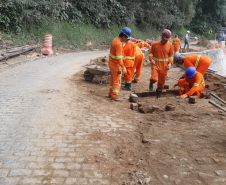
(169, 66)
(149, 47)
(183, 96)
(124, 71)
(152, 62)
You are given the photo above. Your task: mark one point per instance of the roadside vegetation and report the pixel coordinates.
(88, 24)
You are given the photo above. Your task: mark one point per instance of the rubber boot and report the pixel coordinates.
(123, 83)
(134, 81)
(151, 86)
(117, 99)
(109, 96)
(158, 94)
(128, 87)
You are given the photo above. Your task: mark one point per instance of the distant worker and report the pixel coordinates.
(129, 58)
(187, 40)
(192, 84)
(176, 44)
(221, 38)
(200, 62)
(138, 64)
(116, 65)
(161, 57)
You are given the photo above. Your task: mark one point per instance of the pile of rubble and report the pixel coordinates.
(100, 61)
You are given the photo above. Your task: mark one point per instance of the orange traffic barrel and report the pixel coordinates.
(47, 46)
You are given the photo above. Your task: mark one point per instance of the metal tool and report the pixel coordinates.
(216, 105)
(215, 96)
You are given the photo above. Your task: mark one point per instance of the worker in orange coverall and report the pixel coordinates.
(143, 45)
(138, 64)
(161, 57)
(176, 44)
(192, 84)
(116, 64)
(200, 62)
(129, 58)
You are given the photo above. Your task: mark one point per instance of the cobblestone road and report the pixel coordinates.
(40, 143)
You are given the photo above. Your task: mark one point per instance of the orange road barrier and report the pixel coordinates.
(47, 46)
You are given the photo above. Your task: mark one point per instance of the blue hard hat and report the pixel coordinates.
(176, 57)
(190, 72)
(127, 31)
(176, 35)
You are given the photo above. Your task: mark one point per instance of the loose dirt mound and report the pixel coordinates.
(215, 84)
(204, 43)
(101, 61)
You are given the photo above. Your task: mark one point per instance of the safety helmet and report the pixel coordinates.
(127, 31)
(190, 72)
(176, 57)
(188, 31)
(176, 35)
(166, 34)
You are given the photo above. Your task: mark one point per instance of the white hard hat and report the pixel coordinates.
(188, 31)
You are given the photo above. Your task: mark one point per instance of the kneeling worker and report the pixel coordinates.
(200, 62)
(116, 65)
(192, 84)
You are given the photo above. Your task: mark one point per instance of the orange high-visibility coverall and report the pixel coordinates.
(138, 64)
(162, 54)
(200, 62)
(142, 45)
(115, 65)
(129, 58)
(190, 86)
(176, 45)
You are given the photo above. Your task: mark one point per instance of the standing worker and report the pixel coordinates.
(200, 62)
(116, 65)
(176, 44)
(161, 57)
(187, 40)
(192, 84)
(138, 64)
(129, 58)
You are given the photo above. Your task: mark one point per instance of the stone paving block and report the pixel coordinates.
(34, 165)
(28, 159)
(98, 181)
(61, 173)
(9, 180)
(76, 173)
(21, 153)
(58, 181)
(221, 172)
(4, 148)
(30, 180)
(76, 181)
(41, 173)
(45, 159)
(58, 165)
(73, 166)
(64, 159)
(12, 165)
(58, 154)
(20, 172)
(32, 149)
(204, 160)
(6, 153)
(3, 172)
(39, 153)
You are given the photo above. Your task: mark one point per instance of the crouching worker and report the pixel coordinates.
(192, 84)
(116, 66)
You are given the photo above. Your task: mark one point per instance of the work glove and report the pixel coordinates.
(181, 78)
(183, 96)
(124, 71)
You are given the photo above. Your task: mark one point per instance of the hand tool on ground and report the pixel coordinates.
(215, 96)
(216, 105)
